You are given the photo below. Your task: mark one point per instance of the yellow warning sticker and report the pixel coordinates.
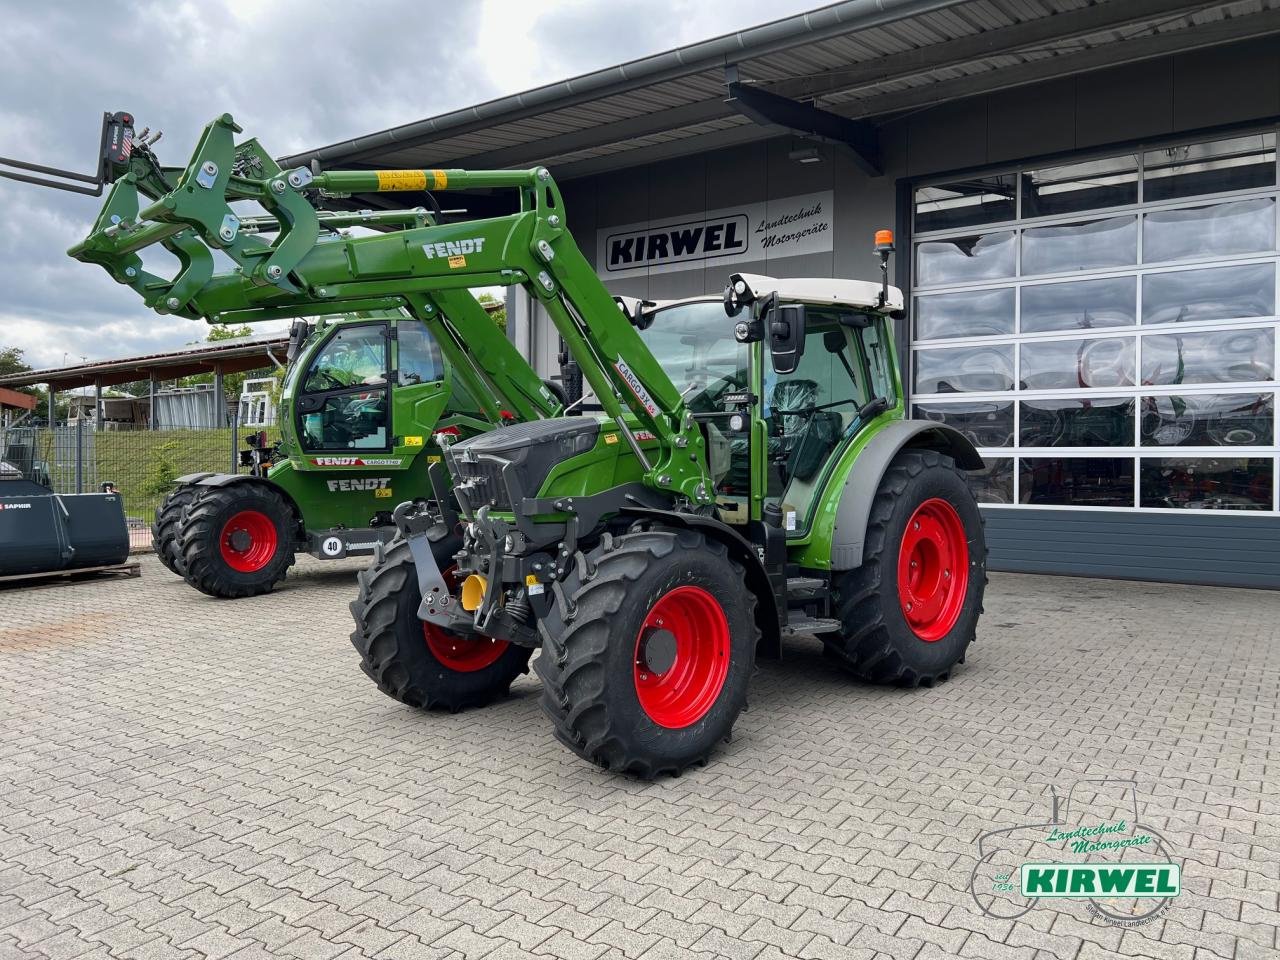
(610, 438)
(456, 262)
(413, 441)
(402, 180)
(439, 179)
(383, 493)
(433, 458)
(530, 579)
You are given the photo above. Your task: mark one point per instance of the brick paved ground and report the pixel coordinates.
(183, 777)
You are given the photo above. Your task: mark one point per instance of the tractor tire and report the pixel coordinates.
(168, 521)
(647, 651)
(236, 541)
(417, 663)
(911, 610)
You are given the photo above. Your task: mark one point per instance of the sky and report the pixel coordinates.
(296, 75)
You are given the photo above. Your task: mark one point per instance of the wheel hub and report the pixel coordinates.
(463, 654)
(248, 541)
(681, 657)
(933, 569)
(657, 650)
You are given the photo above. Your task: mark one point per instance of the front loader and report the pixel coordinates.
(366, 386)
(751, 475)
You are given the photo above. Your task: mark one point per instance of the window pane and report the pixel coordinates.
(1080, 305)
(1105, 422)
(1232, 356)
(1093, 245)
(994, 482)
(1215, 167)
(988, 423)
(420, 360)
(1223, 293)
(964, 204)
(965, 370)
(1076, 364)
(964, 259)
(1111, 182)
(1235, 226)
(355, 356)
(1208, 484)
(1209, 420)
(348, 421)
(978, 313)
(1077, 481)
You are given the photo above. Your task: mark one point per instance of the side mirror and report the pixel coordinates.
(298, 334)
(785, 325)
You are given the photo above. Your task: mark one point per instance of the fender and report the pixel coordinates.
(768, 613)
(228, 479)
(860, 489)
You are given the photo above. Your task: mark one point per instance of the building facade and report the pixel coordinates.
(1090, 256)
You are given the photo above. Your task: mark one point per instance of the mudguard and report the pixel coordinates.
(756, 576)
(860, 488)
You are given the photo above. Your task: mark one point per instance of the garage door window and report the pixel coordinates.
(1105, 330)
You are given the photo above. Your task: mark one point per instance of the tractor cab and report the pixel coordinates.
(776, 410)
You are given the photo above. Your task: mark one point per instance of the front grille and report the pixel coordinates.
(481, 480)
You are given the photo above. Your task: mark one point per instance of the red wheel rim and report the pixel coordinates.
(678, 684)
(464, 654)
(933, 569)
(248, 541)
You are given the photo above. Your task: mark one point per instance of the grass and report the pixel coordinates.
(141, 463)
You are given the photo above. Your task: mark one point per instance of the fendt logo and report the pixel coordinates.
(453, 248)
(359, 483)
(356, 461)
(15, 506)
(696, 240)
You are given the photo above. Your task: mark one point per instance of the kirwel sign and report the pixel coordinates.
(786, 227)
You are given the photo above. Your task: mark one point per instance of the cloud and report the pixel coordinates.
(296, 75)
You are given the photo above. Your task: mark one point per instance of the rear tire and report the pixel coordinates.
(616, 699)
(908, 618)
(415, 663)
(168, 521)
(237, 540)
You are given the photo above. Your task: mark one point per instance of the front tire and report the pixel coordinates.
(418, 663)
(647, 651)
(911, 610)
(168, 522)
(237, 540)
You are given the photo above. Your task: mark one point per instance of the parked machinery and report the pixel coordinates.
(608, 541)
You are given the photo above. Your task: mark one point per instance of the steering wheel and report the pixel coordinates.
(332, 380)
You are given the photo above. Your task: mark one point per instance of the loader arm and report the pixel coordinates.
(415, 264)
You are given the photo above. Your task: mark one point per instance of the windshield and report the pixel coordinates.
(694, 344)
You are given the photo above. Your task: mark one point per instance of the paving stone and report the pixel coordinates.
(228, 792)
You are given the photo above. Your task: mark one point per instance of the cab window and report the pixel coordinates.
(419, 358)
(810, 411)
(344, 403)
(694, 344)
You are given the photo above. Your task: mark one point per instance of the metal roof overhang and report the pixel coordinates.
(231, 357)
(867, 60)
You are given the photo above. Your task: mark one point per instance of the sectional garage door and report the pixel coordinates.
(1105, 331)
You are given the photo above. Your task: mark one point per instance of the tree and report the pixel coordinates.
(11, 362)
(499, 316)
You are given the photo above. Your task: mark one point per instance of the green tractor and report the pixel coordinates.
(359, 404)
(750, 475)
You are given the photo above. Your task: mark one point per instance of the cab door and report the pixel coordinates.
(344, 400)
